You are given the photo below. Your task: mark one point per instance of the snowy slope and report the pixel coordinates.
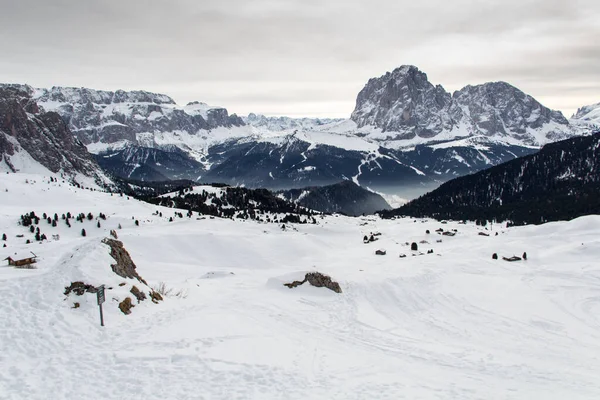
(455, 324)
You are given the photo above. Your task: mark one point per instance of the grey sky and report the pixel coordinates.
(302, 57)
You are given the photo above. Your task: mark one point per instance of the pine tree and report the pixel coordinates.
(98, 224)
(83, 232)
(4, 236)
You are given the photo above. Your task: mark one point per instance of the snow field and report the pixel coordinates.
(453, 324)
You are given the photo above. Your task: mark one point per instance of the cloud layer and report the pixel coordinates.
(302, 57)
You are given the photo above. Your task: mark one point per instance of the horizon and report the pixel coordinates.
(189, 98)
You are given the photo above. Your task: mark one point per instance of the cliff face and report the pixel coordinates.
(27, 131)
(109, 117)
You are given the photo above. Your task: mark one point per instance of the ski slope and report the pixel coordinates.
(450, 325)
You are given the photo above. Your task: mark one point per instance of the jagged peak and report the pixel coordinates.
(406, 69)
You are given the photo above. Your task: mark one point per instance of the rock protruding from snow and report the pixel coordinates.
(317, 279)
(405, 102)
(124, 266)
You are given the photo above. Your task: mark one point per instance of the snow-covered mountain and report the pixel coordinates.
(587, 116)
(32, 140)
(109, 117)
(277, 124)
(405, 105)
(150, 164)
(560, 182)
(404, 132)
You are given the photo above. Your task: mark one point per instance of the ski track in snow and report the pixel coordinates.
(455, 325)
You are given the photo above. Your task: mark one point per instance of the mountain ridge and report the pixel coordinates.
(406, 102)
(559, 182)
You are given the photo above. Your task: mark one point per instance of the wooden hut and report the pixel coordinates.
(23, 260)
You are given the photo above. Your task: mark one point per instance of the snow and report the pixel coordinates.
(218, 191)
(455, 324)
(198, 108)
(21, 160)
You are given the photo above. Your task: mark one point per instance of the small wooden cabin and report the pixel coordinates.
(22, 260)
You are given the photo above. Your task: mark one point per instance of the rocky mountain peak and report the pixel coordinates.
(400, 101)
(588, 116)
(405, 102)
(28, 134)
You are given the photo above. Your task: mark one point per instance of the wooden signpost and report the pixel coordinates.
(101, 298)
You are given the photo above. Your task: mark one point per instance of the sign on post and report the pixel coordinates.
(101, 298)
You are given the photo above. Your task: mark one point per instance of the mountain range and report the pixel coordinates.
(404, 133)
(560, 182)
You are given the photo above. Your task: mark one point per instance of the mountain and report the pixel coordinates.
(560, 182)
(150, 164)
(235, 202)
(109, 117)
(404, 103)
(286, 123)
(34, 140)
(587, 116)
(344, 197)
(405, 134)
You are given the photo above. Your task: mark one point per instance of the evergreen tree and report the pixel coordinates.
(83, 232)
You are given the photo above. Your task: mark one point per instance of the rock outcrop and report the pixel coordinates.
(124, 266)
(317, 279)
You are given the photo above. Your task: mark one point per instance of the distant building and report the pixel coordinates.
(23, 260)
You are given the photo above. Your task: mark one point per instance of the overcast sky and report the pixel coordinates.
(302, 57)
